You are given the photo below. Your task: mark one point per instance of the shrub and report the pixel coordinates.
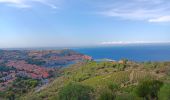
(107, 95)
(148, 89)
(113, 87)
(126, 96)
(164, 93)
(120, 67)
(150, 65)
(81, 77)
(10, 95)
(75, 91)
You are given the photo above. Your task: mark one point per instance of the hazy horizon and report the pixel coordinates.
(75, 23)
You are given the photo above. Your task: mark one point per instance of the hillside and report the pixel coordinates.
(123, 80)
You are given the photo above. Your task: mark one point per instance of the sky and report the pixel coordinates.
(69, 23)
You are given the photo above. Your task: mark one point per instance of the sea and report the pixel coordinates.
(138, 53)
(134, 52)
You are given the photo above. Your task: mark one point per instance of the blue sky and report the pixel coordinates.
(63, 23)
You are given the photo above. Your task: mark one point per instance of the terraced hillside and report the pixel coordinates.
(108, 81)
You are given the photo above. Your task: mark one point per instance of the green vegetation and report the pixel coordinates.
(25, 82)
(35, 61)
(164, 93)
(149, 89)
(19, 87)
(123, 80)
(4, 68)
(74, 91)
(107, 95)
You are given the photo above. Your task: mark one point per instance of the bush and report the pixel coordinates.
(120, 67)
(75, 91)
(126, 96)
(107, 95)
(150, 65)
(164, 93)
(81, 77)
(149, 89)
(2, 94)
(21, 86)
(10, 95)
(113, 87)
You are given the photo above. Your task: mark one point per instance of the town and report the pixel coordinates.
(34, 64)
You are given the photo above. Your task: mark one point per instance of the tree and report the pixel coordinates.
(149, 89)
(75, 91)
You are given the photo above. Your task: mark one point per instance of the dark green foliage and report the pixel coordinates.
(164, 93)
(149, 89)
(120, 67)
(2, 94)
(82, 77)
(126, 96)
(10, 95)
(4, 68)
(113, 87)
(35, 61)
(107, 95)
(105, 64)
(75, 91)
(25, 83)
(20, 86)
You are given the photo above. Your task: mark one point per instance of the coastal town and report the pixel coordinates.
(34, 64)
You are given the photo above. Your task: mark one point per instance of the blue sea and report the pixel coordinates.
(152, 52)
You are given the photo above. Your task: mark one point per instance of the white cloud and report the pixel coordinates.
(29, 3)
(136, 14)
(132, 42)
(148, 10)
(161, 19)
(12, 1)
